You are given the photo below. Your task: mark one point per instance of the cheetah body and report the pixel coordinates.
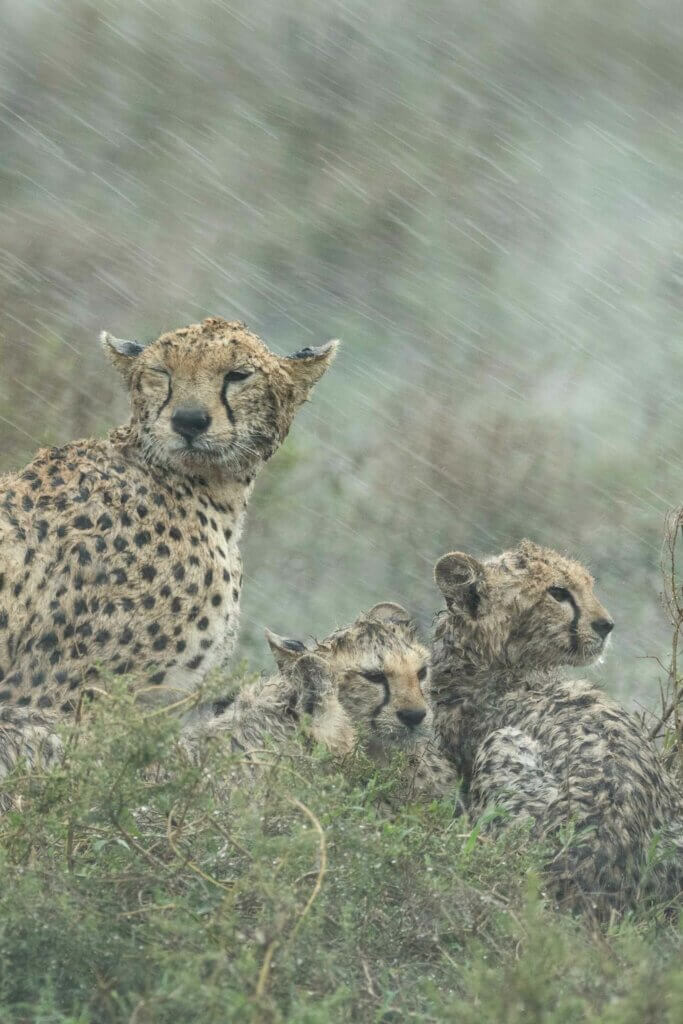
(264, 716)
(122, 566)
(122, 554)
(557, 753)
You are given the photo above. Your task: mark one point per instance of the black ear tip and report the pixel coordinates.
(119, 345)
(294, 645)
(283, 642)
(316, 352)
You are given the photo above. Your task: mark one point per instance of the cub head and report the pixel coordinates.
(382, 671)
(211, 396)
(529, 608)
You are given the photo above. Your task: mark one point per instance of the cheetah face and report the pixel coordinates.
(384, 694)
(212, 396)
(382, 673)
(531, 607)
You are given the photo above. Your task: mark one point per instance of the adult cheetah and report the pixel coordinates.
(122, 553)
(560, 754)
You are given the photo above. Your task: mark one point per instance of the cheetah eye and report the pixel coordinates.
(422, 674)
(560, 593)
(234, 375)
(375, 677)
(160, 371)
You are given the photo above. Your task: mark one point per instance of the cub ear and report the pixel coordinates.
(285, 649)
(529, 549)
(313, 676)
(121, 353)
(462, 581)
(387, 611)
(307, 366)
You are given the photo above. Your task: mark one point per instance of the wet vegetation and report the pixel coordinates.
(137, 887)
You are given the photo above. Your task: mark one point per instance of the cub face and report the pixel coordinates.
(529, 607)
(213, 395)
(382, 672)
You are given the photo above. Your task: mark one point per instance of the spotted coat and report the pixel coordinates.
(122, 554)
(531, 746)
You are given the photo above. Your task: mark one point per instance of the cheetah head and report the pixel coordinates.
(382, 671)
(530, 608)
(211, 396)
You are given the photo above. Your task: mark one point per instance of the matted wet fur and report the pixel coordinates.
(263, 717)
(382, 673)
(123, 552)
(558, 753)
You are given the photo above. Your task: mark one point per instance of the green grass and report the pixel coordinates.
(135, 886)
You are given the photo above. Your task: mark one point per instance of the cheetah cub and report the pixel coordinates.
(122, 553)
(267, 715)
(382, 674)
(559, 753)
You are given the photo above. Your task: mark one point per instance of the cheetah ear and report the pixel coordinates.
(286, 650)
(462, 581)
(307, 366)
(529, 549)
(387, 611)
(122, 353)
(313, 675)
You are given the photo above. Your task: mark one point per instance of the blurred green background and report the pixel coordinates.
(483, 200)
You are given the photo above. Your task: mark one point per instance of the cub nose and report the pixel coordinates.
(190, 422)
(411, 716)
(603, 627)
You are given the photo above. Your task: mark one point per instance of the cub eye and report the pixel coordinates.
(375, 677)
(560, 593)
(158, 370)
(422, 674)
(234, 375)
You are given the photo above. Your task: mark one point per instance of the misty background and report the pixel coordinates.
(483, 200)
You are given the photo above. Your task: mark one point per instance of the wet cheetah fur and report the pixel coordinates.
(382, 673)
(122, 554)
(265, 716)
(558, 754)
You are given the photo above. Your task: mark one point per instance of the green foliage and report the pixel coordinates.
(137, 885)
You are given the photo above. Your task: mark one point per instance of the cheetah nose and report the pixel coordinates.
(411, 716)
(190, 422)
(603, 627)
